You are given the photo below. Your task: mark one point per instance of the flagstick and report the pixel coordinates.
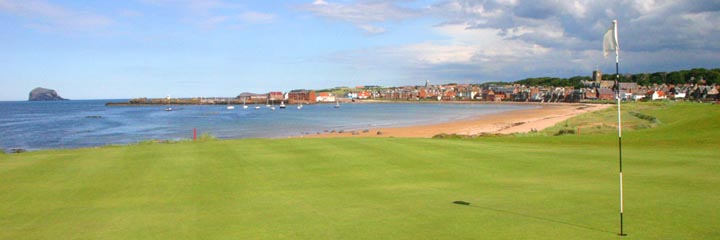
(620, 154)
(617, 84)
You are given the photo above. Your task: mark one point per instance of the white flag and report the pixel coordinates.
(610, 40)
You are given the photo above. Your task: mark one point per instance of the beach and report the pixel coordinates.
(90, 123)
(516, 121)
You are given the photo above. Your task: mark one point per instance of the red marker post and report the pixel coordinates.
(194, 134)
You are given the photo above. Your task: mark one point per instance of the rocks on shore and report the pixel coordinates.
(17, 150)
(44, 94)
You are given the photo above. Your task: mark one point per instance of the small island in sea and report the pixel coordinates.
(44, 94)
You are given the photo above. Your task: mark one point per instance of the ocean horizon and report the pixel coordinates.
(89, 123)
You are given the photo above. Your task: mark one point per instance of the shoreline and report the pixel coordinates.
(508, 122)
(515, 121)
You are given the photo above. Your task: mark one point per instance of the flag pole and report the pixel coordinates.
(617, 89)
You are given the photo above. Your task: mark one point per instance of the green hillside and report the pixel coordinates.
(529, 186)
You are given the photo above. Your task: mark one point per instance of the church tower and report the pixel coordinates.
(597, 76)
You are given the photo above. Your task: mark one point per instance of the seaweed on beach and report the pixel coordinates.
(463, 136)
(565, 132)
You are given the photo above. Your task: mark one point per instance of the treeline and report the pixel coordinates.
(550, 81)
(693, 76)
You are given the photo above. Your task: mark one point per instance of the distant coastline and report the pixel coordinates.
(234, 101)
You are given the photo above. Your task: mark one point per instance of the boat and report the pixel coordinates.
(282, 105)
(337, 104)
(257, 107)
(168, 109)
(229, 107)
(299, 106)
(244, 105)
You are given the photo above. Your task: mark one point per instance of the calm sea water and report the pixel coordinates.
(86, 123)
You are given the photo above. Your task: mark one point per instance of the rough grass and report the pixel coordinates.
(605, 121)
(536, 187)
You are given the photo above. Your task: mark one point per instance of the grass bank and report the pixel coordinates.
(526, 186)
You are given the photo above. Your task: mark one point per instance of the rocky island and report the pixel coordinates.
(44, 94)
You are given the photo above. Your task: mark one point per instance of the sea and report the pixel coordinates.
(89, 123)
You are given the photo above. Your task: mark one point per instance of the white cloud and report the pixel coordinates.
(364, 14)
(319, 2)
(509, 40)
(370, 29)
(430, 53)
(46, 16)
(216, 13)
(198, 6)
(257, 17)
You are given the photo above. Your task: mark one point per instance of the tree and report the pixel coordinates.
(713, 76)
(657, 78)
(676, 78)
(643, 80)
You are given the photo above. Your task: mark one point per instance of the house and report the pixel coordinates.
(448, 95)
(680, 95)
(655, 95)
(507, 93)
(301, 96)
(591, 94)
(638, 96)
(606, 94)
(364, 95)
(276, 96)
(325, 97)
(253, 97)
(476, 93)
(422, 93)
(629, 87)
(488, 95)
(607, 84)
(626, 95)
(713, 93)
(536, 97)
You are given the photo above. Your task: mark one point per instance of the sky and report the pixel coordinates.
(218, 48)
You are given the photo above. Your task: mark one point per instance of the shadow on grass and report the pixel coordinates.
(531, 216)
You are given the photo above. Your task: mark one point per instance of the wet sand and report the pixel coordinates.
(517, 121)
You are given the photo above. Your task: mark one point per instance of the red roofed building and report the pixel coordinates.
(325, 97)
(655, 95)
(301, 96)
(275, 96)
(448, 96)
(364, 95)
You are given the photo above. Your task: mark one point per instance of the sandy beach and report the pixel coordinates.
(518, 121)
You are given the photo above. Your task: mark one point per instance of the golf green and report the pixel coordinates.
(525, 186)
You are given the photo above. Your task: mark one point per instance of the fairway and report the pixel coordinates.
(528, 186)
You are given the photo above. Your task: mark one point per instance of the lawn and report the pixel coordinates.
(527, 186)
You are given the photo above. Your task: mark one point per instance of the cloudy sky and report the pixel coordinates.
(186, 48)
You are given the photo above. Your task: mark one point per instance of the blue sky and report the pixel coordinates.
(186, 48)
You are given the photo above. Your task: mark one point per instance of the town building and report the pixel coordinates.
(302, 96)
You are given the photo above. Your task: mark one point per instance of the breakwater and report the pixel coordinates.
(201, 101)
